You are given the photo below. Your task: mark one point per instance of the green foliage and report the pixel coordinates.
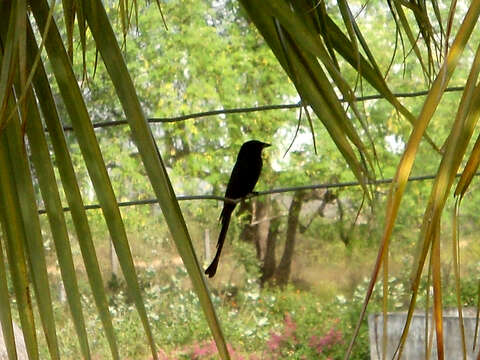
(268, 324)
(212, 58)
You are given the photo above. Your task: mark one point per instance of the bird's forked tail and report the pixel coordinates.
(212, 269)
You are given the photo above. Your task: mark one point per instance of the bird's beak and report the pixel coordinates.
(266, 145)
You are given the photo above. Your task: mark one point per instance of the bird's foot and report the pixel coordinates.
(252, 194)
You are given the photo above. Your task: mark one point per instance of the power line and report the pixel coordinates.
(248, 110)
(261, 193)
(244, 110)
(196, 115)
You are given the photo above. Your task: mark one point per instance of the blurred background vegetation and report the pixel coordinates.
(296, 264)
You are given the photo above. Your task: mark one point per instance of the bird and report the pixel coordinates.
(245, 174)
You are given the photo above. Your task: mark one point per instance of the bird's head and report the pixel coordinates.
(252, 149)
(253, 145)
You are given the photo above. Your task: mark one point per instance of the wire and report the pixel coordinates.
(104, 124)
(247, 110)
(155, 120)
(260, 193)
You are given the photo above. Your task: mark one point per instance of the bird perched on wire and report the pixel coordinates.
(244, 176)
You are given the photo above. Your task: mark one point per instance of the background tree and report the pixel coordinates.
(212, 58)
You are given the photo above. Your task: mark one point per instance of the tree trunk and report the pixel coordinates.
(282, 274)
(269, 262)
(345, 233)
(247, 234)
(261, 225)
(256, 228)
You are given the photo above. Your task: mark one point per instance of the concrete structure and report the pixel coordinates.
(415, 347)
